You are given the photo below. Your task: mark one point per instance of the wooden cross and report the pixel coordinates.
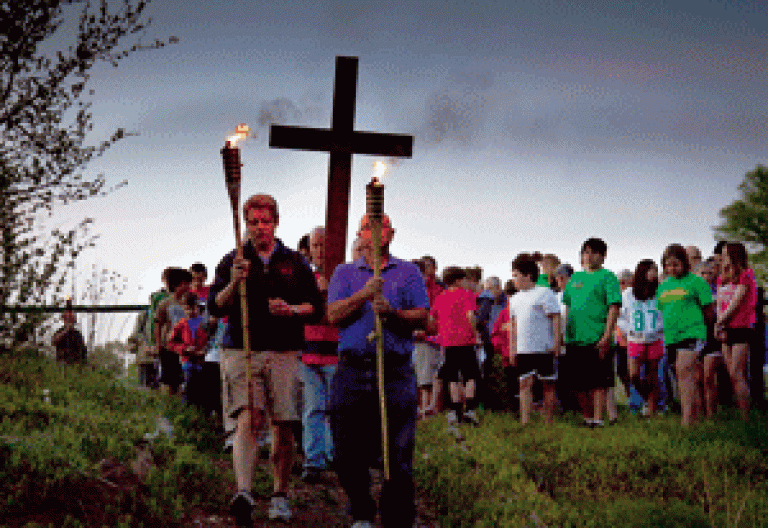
(342, 141)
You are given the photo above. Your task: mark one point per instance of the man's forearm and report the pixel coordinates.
(343, 308)
(225, 296)
(416, 318)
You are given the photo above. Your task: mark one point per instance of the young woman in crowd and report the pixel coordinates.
(686, 305)
(640, 321)
(736, 301)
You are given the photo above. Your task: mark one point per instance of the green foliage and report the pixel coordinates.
(632, 474)
(746, 220)
(44, 123)
(53, 445)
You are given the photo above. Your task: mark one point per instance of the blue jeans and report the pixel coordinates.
(317, 442)
(356, 424)
(190, 370)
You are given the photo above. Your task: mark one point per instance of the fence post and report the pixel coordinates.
(757, 355)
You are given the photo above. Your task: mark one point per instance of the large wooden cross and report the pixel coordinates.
(342, 141)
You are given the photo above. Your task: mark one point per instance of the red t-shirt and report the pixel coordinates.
(433, 290)
(744, 317)
(500, 334)
(202, 293)
(450, 311)
(321, 341)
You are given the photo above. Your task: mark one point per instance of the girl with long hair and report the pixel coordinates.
(736, 301)
(686, 305)
(641, 322)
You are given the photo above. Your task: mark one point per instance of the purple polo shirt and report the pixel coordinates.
(404, 290)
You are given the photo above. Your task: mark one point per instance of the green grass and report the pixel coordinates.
(637, 473)
(50, 448)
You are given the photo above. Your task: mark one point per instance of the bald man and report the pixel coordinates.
(400, 297)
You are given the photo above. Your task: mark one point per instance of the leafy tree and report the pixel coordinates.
(746, 220)
(44, 123)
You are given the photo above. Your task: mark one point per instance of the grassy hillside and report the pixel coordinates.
(71, 445)
(636, 473)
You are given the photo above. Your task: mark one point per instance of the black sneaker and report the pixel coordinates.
(241, 508)
(312, 475)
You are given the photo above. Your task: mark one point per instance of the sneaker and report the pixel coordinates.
(362, 524)
(471, 417)
(597, 423)
(453, 419)
(311, 475)
(241, 508)
(646, 410)
(279, 509)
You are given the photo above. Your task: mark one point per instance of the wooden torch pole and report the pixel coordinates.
(231, 156)
(375, 210)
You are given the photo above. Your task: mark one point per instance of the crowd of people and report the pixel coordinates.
(677, 336)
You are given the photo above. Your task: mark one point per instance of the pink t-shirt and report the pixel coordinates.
(744, 317)
(450, 312)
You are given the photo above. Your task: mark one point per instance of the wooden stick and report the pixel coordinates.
(375, 210)
(379, 329)
(231, 156)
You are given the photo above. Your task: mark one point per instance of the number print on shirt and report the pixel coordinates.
(640, 318)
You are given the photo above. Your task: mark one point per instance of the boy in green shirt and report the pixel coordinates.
(592, 298)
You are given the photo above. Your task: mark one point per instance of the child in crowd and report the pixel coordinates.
(534, 330)
(592, 298)
(625, 277)
(425, 362)
(169, 312)
(454, 321)
(640, 321)
(736, 302)
(548, 265)
(189, 339)
(686, 305)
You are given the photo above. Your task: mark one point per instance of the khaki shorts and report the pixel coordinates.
(275, 384)
(425, 360)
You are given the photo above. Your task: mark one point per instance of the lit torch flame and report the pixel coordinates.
(241, 132)
(379, 169)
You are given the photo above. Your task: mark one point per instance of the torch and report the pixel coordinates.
(374, 204)
(231, 156)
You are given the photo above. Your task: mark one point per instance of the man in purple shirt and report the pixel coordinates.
(400, 298)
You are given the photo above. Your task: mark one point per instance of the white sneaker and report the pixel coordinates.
(362, 524)
(279, 509)
(646, 410)
(471, 417)
(453, 419)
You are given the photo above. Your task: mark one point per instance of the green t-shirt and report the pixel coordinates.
(588, 296)
(543, 280)
(681, 302)
(154, 301)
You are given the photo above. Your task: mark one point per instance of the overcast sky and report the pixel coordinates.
(537, 125)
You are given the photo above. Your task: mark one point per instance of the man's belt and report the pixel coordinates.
(368, 361)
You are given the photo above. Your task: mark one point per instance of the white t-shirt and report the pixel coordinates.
(639, 320)
(531, 310)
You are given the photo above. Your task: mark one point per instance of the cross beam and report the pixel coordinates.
(341, 141)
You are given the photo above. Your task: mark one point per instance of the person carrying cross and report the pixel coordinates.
(282, 297)
(400, 298)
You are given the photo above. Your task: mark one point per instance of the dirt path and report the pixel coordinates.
(317, 505)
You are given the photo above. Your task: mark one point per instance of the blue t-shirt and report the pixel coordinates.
(403, 288)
